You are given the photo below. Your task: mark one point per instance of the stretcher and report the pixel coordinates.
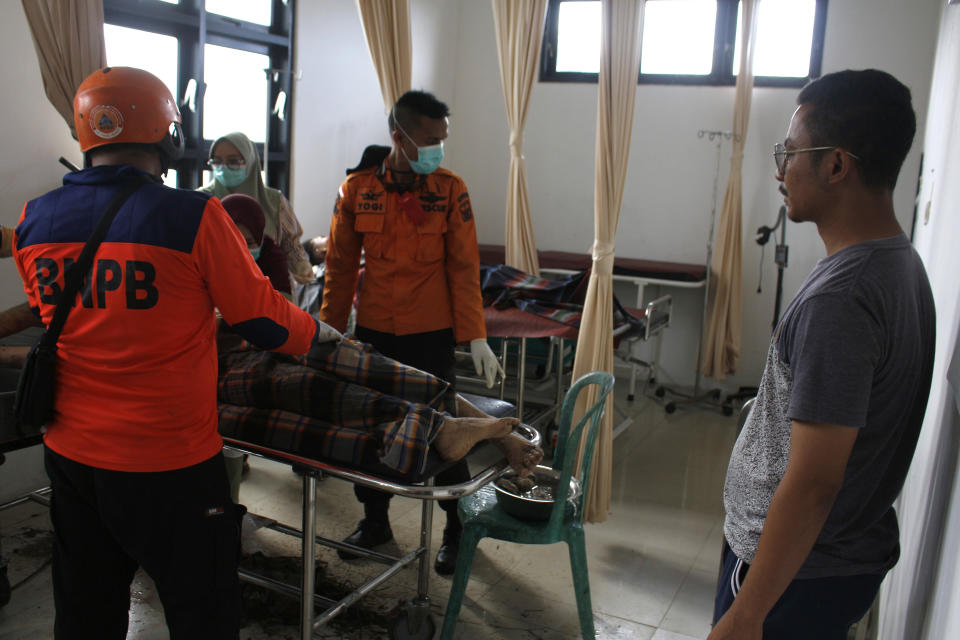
(414, 620)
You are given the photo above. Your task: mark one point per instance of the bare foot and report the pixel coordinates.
(458, 435)
(522, 456)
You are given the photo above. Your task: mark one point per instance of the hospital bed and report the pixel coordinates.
(636, 272)
(516, 326)
(414, 620)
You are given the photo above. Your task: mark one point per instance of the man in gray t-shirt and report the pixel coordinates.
(810, 527)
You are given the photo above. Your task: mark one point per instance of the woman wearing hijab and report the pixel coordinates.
(236, 169)
(247, 215)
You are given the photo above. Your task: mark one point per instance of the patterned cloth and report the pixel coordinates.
(342, 402)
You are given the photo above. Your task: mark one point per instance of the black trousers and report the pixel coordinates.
(432, 352)
(180, 526)
(821, 608)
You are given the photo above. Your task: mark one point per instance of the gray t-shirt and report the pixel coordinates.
(854, 348)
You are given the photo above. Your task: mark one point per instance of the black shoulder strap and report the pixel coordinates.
(73, 277)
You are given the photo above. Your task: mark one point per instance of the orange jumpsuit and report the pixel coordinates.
(418, 278)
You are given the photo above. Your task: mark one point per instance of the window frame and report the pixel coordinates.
(725, 37)
(194, 27)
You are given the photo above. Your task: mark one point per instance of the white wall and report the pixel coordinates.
(34, 137)
(337, 108)
(668, 198)
(921, 595)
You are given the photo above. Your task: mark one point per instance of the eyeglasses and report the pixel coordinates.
(780, 154)
(232, 163)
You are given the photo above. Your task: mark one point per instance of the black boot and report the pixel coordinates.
(446, 561)
(370, 533)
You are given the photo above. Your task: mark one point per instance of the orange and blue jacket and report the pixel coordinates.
(136, 385)
(417, 278)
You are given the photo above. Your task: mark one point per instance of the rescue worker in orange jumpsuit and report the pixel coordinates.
(420, 294)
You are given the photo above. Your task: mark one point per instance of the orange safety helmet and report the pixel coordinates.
(123, 105)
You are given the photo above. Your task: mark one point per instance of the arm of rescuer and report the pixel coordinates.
(462, 263)
(813, 477)
(343, 261)
(244, 296)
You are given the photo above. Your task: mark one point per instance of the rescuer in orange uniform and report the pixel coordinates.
(421, 286)
(132, 450)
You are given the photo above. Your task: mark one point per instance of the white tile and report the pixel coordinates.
(613, 628)
(663, 634)
(691, 611)
(709, 557)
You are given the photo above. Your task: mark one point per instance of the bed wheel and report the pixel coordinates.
(670, 407)
(406, 627)
(660, 392)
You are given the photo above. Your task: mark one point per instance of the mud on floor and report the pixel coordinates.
(275, 613)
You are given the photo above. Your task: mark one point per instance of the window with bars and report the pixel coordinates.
(691, 42)
(228, 63)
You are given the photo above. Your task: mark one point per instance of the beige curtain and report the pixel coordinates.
(386, 26)
(68, 37)
(619, 67)
(722, 351)
(519, 27)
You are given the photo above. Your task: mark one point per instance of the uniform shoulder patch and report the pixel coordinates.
(466, 213)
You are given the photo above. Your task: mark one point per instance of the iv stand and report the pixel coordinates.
(696, 398)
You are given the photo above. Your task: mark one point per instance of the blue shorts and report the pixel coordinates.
(822, 608)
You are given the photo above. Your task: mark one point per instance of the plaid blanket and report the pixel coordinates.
(342, 402)
(559, 299)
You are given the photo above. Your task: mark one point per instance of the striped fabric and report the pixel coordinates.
(342, 402)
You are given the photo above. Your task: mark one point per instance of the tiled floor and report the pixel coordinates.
(652, 564)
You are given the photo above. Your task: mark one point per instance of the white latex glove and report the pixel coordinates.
(484, 361)
(326, 333)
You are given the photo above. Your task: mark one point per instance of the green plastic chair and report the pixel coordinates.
(482, 517)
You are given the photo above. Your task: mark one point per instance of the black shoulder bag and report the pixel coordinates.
(33, 406)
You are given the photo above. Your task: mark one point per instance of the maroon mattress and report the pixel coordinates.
(679, 271)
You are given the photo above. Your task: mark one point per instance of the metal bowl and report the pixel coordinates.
(533, 508)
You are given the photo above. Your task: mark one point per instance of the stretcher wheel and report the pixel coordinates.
(400, 627)
(660, 392)
(670, 407)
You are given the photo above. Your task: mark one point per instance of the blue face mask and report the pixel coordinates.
(428, 158)
(255, 252)
(229, 176)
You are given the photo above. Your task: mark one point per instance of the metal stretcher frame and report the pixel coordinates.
(416, 612)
